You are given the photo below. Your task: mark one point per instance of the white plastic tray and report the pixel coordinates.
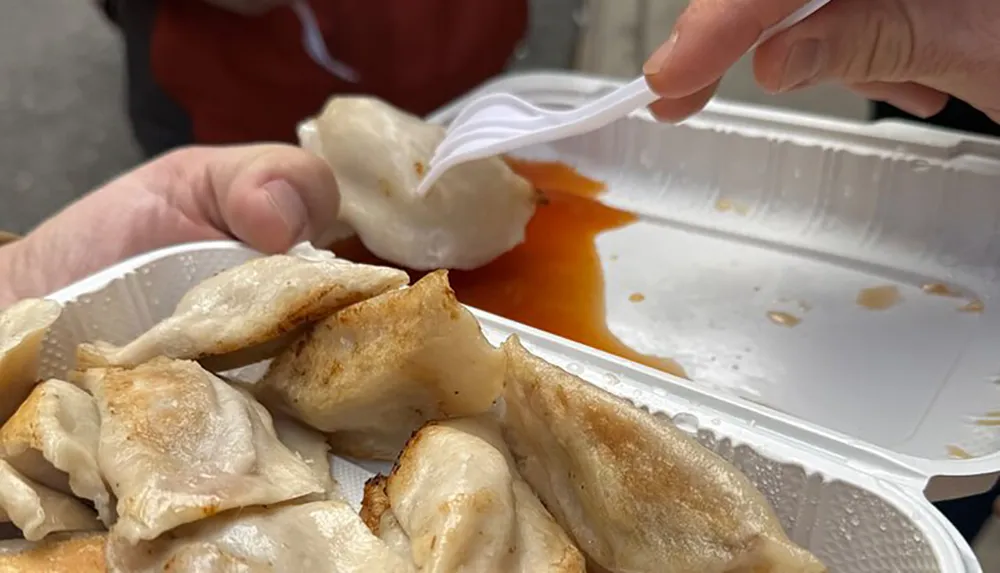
(831, 207)
(856, 520)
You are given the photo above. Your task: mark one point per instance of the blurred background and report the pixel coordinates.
(64, 128)
(62, 110)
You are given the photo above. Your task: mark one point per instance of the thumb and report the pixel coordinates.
(271, 196)
(943, 46)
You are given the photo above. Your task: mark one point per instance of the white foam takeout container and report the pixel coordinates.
(852, 412)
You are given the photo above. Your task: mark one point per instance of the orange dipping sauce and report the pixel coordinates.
(553, 281)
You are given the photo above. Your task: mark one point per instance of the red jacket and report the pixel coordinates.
(249, 79)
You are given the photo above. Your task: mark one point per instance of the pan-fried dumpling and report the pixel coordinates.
(312, 448)
(636, 493)
(322, 536)
(376, 512)
(37, 510)
(456, 496)
(59, 553)
(245, 308)
(178, 444)
(372, 373)
(474, 213)
(52, 439)
(22, 329)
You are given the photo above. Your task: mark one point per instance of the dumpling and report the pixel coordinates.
(37, 510)
(312, 448)
(457, 500)
(246, 307)
(22, 328)
(376, 512)
(322, 536)
(178, 444)
(372, 373)
(52, 439)
(474, 213)
(636, 493)
(62, 553)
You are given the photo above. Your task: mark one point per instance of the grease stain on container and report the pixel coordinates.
(728, 205)
(974, 306)
(879, 298)
(939, 289)
(785, 319)
(636, 297)
(958, 453)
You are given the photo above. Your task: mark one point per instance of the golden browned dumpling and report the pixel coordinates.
(372, 373)
(61, 553)
(637, 494)
(178, 444)
(37, 510)
(324, 536)
(52, 439)
(249, 306)
(474, 213)
(457, 502)
(22, 329)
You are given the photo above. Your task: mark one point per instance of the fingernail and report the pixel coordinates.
(288, 205)
(917, 106)
(659, 58)
(805, 61)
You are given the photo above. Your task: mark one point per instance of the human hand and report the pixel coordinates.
(268, 196)
(910, 53)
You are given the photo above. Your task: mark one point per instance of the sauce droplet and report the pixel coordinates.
(959, 453)
(988, 422)
(879, 298)
(637, 297)
(552, 281)
(784, 319)
(973, 306)
(938, 289)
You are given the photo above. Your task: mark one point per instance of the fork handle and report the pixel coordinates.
(624, 100)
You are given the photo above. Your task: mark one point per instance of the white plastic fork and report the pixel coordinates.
(500, 123)
(315, 45)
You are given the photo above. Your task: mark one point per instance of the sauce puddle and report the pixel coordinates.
(554, 280)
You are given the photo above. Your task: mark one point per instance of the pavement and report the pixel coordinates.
(62, 123)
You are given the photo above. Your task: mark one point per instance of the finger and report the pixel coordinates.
(674, 110)
(913, 98)
(856, 41)
(710, 36)
(273, 196)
